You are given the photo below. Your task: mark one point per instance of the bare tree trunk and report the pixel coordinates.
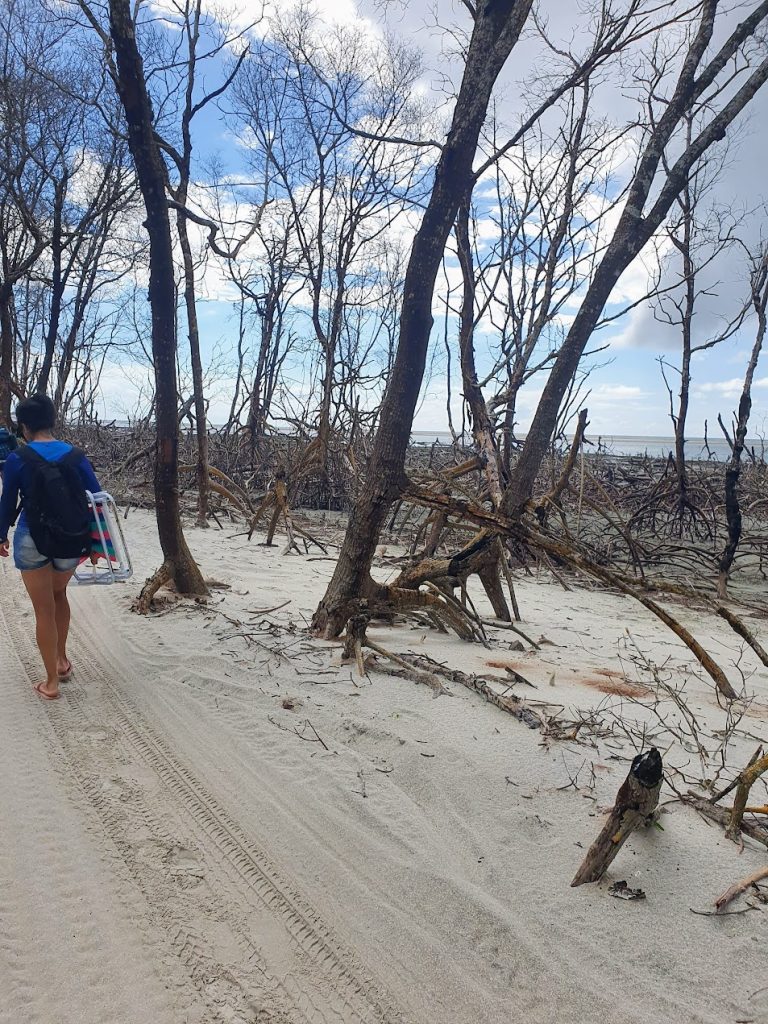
(482, 426)
(6, 353)
(201, 422)
(178, 564)
(496, 30)
(733, 470)
(57, 295)
(680, 420)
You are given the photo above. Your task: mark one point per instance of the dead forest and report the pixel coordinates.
(379, 241)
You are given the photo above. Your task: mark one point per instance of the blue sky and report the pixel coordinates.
(627, 391)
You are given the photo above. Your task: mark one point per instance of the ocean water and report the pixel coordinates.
(617, 444)
(625, 444)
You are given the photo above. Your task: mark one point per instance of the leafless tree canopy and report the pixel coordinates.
(378, 230)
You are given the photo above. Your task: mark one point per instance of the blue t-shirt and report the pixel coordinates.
(14, 482)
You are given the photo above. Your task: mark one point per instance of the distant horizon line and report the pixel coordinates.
(716, 439)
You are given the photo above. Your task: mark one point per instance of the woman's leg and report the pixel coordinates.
(39, 584)
(62, 613)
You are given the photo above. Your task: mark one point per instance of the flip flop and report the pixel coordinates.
(44, 695)
(63, 676)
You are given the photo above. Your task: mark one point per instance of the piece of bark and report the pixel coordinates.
(635, 803)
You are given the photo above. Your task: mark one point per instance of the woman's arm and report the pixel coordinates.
(10, 496)
(87, 475)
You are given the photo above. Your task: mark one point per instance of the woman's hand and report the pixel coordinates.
(5, 548)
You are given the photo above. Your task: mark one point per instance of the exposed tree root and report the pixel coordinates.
(429, 679)
(219, 483)
(276, 501)
(570, 555)
(143, 602)
(505, 701)
(353, 642)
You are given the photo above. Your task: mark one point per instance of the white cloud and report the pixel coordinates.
(244, 15)
(616, 392)
(729, 388)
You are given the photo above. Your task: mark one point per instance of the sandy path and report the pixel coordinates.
(194, 900)
(208, 865)
(68, 922)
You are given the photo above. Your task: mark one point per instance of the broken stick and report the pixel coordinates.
(739, 887)
(746, 779)
(635, 803)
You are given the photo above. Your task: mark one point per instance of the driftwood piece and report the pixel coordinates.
(505, 701)
(746, 779)
(429, 679)
(739, 887)
(722, 816)
(635, 803)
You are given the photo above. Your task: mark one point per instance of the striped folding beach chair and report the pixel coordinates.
(108, 542)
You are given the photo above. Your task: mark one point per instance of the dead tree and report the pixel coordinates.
(29, 105)
(759, 297)
(697, 77)
(301, 95)
(701, 241)
(497, 27)
(178, 565)
(548, 237)
(191, 23)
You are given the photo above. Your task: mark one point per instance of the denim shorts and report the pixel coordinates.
(26, 556)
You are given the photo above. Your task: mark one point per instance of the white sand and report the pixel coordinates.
(172, 849)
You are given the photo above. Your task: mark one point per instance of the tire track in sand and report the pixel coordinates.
(72, 946)
(251, 945)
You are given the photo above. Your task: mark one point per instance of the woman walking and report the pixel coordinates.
(53, 531)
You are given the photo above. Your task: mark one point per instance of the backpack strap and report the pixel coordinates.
(28, 454)
(74, 455)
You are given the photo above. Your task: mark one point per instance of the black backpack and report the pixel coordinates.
(56, 506)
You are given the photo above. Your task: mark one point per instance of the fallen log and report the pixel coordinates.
(495, 522)
(505, 701)
(635, 803)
